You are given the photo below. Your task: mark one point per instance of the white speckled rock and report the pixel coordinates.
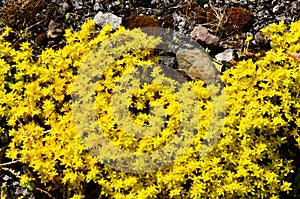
(103, 18)
(226, 56)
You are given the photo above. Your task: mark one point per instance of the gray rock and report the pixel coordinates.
(167, 61)
(226, 56)
(261, 39)
(103, 18)
(201, 35)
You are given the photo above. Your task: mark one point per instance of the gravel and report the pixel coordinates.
(180, 15)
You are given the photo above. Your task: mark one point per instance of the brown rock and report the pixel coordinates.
(198, 65)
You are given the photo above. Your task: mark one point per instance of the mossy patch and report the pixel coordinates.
(136, 21)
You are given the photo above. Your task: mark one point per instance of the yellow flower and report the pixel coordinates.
(7, 30)
(248, 39)
(175, 192)
(286, 186)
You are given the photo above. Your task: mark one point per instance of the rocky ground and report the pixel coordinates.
(219, 25)
(43, 22)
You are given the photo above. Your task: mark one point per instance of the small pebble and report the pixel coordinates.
(6, 178)
(276, 9)
(226, 56)
(15, 183)
(261, 39)
(78, 4)
(96, 7)
(65, 7)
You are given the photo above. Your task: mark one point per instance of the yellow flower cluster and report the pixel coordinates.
(36, 104)
(262, 103)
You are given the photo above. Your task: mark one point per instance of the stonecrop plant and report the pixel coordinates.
(262, 113)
